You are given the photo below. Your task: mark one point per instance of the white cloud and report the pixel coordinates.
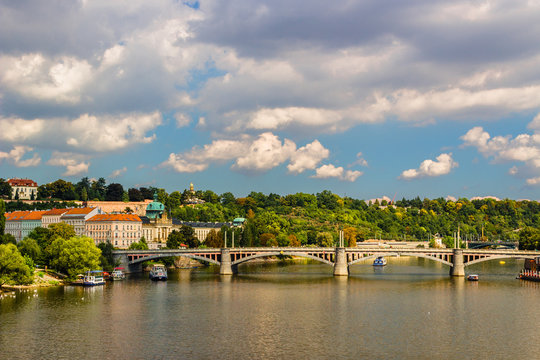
(271, 119)
(74, 163)
(254, 154)
(523, 148)
(307, 157)
(429, 168)
(16, 156)
(109, 133)
(118, 172)
(57, 80)
(331, 171)
(265, 153)
(18, 130)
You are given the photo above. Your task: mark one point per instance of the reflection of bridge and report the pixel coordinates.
(340, 258)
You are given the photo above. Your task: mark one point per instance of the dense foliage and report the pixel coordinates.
(13, 266)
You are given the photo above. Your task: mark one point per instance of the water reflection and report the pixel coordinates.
(410, 308)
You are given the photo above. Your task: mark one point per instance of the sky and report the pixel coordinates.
(363, 98)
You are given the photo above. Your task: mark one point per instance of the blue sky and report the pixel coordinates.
(363, 98)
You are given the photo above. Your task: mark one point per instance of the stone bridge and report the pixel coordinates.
(339, 258)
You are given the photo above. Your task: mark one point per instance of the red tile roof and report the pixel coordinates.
(56, 212)
(115, 217)
(35, 215)
(79, 211)
(24, 215)
(22, 182)
(15, 215)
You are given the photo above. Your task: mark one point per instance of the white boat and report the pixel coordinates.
(472, 277)
(379, 261)
(93, 278)
(158, 272)
(118, 274)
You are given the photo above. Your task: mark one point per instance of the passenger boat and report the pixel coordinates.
(158, 272)
(379, 261)
(472, 277)
(531, 270)
(93, 278)
(118, 274)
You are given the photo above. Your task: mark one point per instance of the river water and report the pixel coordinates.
(411, 309)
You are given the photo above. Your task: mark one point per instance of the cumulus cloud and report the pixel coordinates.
(524, 148)
(307, 157)
(429, 168)
(16, 156)
(252, 154)
(86, 133)
(331, 171)
(74, 163)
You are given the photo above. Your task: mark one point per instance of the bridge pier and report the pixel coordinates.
(225, 268)
(340, 266)
(459, 268)
(123, 261)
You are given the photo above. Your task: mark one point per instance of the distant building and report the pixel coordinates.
(193, 199)
(77, 217)
(23, 189)
(156, 225)
(21, 223)
(121, 230)
(52, 217)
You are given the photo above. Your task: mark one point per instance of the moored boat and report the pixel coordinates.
(93, 278)
(379, 261)
(158, 272)
(472, 277)
(118, 274)
(531, 270)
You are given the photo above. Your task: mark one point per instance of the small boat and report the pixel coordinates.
(472, 277)
(158, 272)
(118, 274)
(380, 261)
(93, 278)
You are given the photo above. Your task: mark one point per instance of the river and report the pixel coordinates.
(411, 309)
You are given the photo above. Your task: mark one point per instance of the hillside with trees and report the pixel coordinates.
(308, 219)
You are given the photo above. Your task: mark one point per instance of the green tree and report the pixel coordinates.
(135, 195)
(212, 240)
(2, 216)
(13, 268)
(62, 230)
(529, 239)
(5, 189)
(41, 236)
(115, 192)
(29, 247)
(174, 239)
(141, 245)
(75, 255)
(8, 239)
(107, 259)
(188, 233)
(325, 239)
(267, 238)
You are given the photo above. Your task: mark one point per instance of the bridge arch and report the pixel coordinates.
(497, 257)
(191, 256)
(386, 254)
(267, 254)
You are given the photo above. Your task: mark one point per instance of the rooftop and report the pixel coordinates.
(22, 182)
(115, 217)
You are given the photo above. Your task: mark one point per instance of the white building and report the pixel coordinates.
(52, 217)
(23, 189)
(77, 218)
(121, 230)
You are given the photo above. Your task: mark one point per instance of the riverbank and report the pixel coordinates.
(42, 278)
